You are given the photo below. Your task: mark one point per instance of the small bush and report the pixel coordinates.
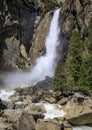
(49, 6)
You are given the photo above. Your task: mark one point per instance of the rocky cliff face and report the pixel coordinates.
(23, 28)
(77, 14)
(18, 21)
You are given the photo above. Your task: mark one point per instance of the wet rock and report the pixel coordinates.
(35, 111)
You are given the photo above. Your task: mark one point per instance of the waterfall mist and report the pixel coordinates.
(45, 65)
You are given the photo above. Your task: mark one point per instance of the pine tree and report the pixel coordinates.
(74, 59)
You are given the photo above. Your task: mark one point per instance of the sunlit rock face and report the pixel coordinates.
(77, 14)
(38, 43)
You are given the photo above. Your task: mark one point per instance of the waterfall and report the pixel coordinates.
(45, 65)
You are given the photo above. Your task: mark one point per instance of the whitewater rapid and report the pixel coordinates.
(45, 65)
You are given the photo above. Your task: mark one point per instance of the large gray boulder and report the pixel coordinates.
(79, 110)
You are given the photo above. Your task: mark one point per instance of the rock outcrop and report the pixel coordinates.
(38, 43)
(76, 14)
(19, 20)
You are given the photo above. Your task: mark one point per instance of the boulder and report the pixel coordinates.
(12, 114)
(5, 126)
(20, 119)
(26, 122)
(79, 110)
(47, 126)
(83, 119)
(36, 112)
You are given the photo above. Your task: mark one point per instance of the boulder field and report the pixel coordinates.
(37, 108)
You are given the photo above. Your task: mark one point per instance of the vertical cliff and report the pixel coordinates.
(18, 20)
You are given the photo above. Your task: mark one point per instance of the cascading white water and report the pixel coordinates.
(82, 128)
(45, 65)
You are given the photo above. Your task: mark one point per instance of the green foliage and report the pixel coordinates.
(59, 81)
(76, 72)
(85, 77)
(50, 6)
(74, 59)
(20, 63)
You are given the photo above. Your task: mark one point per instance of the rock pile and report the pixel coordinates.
(25, 110)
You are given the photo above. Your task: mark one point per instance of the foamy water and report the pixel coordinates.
(82, 128)
(5, 94)
(53, 111)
